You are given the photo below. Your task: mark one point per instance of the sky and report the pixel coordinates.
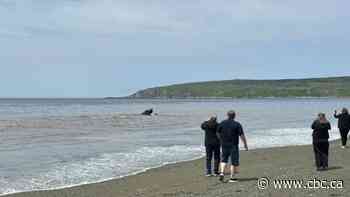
(98, 48)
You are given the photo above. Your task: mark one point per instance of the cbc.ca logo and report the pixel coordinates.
(263, 183)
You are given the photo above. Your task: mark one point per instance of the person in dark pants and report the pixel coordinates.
(343, 125)
(212, 145)
(320, 136)
(230, 131)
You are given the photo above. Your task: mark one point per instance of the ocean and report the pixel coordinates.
(56, 143)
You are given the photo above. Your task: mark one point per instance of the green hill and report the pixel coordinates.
(315, 87)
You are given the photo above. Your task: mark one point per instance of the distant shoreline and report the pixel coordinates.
(168, 98)
(219, 98)
(245, 88)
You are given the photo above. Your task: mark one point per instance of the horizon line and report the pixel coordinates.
(181, 83)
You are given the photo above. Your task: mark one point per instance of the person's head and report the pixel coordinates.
(213, 118)
(322, 117)
(231, 114)
(345, 111)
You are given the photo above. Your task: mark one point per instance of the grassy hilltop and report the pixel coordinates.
(313, 87)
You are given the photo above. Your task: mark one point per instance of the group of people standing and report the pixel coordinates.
(223, 137)
(320, 136)
(222, 142)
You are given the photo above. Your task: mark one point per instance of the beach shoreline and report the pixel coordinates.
(187, 178)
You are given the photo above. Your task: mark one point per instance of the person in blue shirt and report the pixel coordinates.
(229, 132)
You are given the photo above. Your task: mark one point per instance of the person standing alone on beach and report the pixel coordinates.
(343, 125)
(229, 132)
(212, 145)
(320, 137)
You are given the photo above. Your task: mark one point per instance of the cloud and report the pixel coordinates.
(93, 47)
(115, 16)
(85, 31)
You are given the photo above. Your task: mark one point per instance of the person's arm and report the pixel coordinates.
(336, 115)
(329, 126)
(243, 138)
(204, 126)
(313, 126)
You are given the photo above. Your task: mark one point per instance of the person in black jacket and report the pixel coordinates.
(343, 125)
(320, 136)
(212, 145)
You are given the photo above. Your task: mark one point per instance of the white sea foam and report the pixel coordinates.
(284, 137)
(102, 168)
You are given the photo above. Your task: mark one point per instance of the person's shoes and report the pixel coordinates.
(319, 169)
(208, 175)
(216, 174)
(222, 177)
(233, 180)
(343, 147)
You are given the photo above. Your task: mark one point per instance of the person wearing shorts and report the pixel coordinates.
(229, 133)
(231, 151)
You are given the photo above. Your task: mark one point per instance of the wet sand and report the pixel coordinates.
(186, 179)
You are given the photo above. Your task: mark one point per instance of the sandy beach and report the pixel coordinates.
(186, 179)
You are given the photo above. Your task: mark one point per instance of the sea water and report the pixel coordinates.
(56, 143)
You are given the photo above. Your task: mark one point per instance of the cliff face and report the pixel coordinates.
(317, 87)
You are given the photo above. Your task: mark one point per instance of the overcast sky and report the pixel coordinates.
(97, 48)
